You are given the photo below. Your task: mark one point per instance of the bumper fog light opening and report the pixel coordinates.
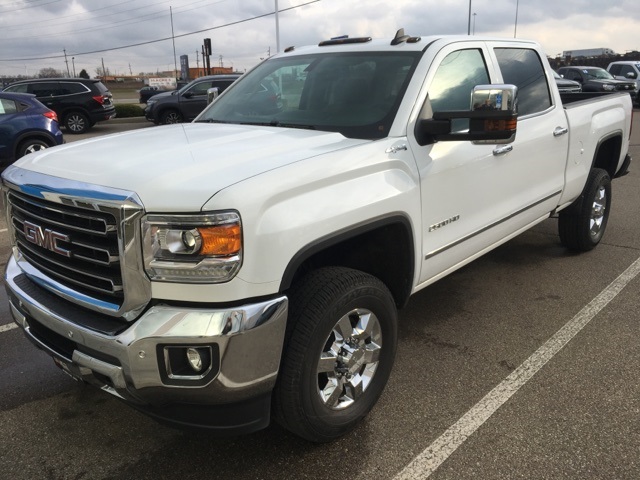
(195, 360)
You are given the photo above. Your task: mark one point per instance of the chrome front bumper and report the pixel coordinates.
(131, 363)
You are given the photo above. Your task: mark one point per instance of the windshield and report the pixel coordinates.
(598, 73)
(356, 94)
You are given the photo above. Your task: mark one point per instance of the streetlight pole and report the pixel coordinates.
(515, 27)
(469, 22)
(73, 62)
(474, 22)
(277, 29)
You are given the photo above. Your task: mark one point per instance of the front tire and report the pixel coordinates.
(30, 146)
(169, 117)
(339, 352)
(582, 224)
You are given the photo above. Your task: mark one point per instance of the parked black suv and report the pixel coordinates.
(596, 79)
(185, 104)
(78, 102)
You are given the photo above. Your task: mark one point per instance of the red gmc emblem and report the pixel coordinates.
(46, 238)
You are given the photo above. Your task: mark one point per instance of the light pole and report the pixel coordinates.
(515, 27)
(469, 22)
(74, 66)
(474, 22)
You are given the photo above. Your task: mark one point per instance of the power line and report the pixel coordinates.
(31, 6)
(118, 23)
(51, 57)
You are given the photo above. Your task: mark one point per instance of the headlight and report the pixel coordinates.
(608, 88)
(192, 248)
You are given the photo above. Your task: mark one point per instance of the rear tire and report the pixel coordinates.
(340, 348)
(76, 123)
(582, 225)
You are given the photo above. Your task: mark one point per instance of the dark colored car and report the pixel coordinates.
(185, 104)
(565, 85)
(596, 79)
(80, 103)
(26, 126)
(147, 92)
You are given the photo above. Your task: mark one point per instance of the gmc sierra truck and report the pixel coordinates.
(250, 265)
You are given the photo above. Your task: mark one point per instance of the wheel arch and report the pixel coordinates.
(44, 136)
(383, 248)
(608, 152)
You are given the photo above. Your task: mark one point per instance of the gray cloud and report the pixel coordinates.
(241, 33)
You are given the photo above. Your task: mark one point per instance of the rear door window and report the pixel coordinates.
(522, 67)
(44, 89)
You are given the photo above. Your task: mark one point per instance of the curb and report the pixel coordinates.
(129, 120)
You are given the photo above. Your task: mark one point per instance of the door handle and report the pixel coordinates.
(560, 131)
(502, 150)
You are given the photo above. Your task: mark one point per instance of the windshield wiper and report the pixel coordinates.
(276, 123)
(209, 120)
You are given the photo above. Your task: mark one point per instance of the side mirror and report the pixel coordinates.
(492, 118)
(212, 94)
(187, 94)
(632, 75)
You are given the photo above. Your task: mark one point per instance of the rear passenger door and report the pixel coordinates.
(48, 93)
(540, 151)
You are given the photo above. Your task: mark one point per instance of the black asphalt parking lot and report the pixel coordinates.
(523, 364)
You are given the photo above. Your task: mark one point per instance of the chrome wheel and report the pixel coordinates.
(598, 210)
(333, 367)
(583, 223)
(34, 147)
(350, 359)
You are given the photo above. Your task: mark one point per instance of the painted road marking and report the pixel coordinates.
(435, 454)
(7, 327)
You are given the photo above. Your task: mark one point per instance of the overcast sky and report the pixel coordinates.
(243, 31)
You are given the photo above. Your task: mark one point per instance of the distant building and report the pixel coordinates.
(588, 52)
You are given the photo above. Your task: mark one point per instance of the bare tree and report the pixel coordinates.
(49, 73)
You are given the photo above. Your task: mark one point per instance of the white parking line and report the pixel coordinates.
(435, 454)
(2, 230)
(7, 327)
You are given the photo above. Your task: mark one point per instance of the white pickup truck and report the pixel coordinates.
(251, 264)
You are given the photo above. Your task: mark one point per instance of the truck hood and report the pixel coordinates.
(177, 168)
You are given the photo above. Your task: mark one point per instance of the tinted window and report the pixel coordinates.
(22, 88)
(200, 88)
(221, 84)
(7, 106)
(615, 69)
(453, 83)
(523, 68)
(44, 89)
(626, 69)
(68, 88)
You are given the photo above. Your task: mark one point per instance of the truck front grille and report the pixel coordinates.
(78, 248)
(79, 241)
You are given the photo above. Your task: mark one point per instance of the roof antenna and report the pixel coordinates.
(400, 37)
